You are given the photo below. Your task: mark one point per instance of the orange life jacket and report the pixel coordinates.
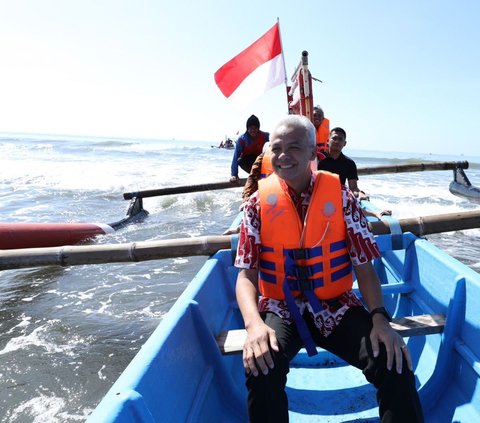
(256, 147)
(266, 168)
(309, 257)
(323, 133)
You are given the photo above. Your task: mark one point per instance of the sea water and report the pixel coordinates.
(66, 334)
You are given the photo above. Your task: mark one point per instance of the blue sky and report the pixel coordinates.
(401, 76)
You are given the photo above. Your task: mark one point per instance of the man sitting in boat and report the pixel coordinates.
(248, 147)
(262, 168)
(301, 236)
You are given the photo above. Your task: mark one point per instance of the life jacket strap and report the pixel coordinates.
(304, 284)
(302, 327)
(314, 301)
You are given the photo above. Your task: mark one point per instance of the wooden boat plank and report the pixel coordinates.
(232, 341)
(425, 324)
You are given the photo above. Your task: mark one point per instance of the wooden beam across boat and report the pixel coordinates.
(232, 341)
(371, 170)
(412, 167)
(185, 189)
(201, 246)
(433, 224)
(113, 253)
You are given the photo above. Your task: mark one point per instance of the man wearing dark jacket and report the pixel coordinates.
(248, 147)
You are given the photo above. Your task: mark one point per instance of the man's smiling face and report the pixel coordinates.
(291, 153)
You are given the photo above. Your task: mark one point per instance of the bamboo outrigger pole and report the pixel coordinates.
(371, 170)
(201, 246)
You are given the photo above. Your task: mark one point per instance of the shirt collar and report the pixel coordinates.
(293, 195)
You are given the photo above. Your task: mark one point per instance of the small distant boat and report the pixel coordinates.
(462, 187)
(15, 235)
(227, 144)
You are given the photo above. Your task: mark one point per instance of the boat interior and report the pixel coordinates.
(417, 278)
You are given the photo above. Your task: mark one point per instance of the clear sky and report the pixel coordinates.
(401, 75)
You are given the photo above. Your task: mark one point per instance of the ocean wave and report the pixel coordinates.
(114, 143)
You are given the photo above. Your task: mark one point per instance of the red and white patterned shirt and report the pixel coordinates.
(361, 246)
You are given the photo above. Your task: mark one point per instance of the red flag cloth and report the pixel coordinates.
(256, 69)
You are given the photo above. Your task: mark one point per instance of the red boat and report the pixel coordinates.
(34, 235)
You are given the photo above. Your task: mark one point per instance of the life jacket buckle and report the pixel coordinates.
(302, 272)
(301, 253)
(299, 285)
(302, 282)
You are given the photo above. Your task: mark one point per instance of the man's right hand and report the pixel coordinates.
(234, 179)
(256, 351)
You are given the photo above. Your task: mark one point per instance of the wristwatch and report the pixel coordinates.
(381, 310)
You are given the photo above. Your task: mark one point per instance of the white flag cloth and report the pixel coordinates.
(255, 70)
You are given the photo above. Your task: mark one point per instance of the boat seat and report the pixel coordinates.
(232, 341)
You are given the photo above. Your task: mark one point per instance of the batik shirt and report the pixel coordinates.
(360, 244)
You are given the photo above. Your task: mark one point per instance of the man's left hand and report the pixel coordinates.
(394, 344)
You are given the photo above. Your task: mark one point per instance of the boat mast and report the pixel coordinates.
(300, 94)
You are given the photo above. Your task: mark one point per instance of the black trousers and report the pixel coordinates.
(246, 162)
(396, 393)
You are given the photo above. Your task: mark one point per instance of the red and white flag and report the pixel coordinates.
(253, 71)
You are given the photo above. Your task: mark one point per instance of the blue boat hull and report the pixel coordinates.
(179, 375)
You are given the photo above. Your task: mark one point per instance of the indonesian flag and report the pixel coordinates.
(253, 71)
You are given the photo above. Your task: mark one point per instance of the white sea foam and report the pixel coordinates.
(41, 409)
(37, 338)
(46, 409)
(41, 337)
(99, 373)
(24, 323)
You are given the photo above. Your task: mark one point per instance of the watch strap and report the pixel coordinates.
(381, 310)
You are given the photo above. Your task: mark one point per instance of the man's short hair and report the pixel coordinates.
(319, 110)
(304, 123)
(340, 130)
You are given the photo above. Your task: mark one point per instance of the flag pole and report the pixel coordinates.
(284, 66)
